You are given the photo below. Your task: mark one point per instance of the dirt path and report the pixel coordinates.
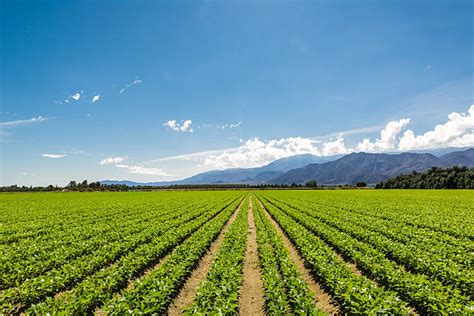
(322, 299)
(252, 301)
(188, 291)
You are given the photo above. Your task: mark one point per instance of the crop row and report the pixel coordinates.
(153, 293)
(427, 295)
(447, 272)
(355, 294)
(55, 280)
(138, 229)
(100, 287)
(219, 293)
(282, 282)
(439, 244)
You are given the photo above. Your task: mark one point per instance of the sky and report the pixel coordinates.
(162, 90)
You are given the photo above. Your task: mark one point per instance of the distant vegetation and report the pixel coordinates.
(434, 178)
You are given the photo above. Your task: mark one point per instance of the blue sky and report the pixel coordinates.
(186, 86)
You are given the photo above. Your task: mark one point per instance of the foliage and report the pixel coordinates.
(434, 178)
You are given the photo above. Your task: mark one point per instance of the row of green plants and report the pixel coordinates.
(424, 239)
(284, 289)
(41, 287)
(355, 294)
(17, 269)
(99, 287)
(426, 294)
(153, 293)
(219, 293)
(444, 211)
(431, 262)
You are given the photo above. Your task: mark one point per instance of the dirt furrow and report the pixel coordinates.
(322, 299)
(252, 300)
(188, 291)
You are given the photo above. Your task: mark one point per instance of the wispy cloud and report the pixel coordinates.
(351, 132)
(17, 123)
(148, 171)
(184, 126)
(230, 125)
(54, 156)
(130, 84)
(113, 160)
(222, 126)
(5, 126)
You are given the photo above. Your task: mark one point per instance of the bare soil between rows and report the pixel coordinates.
(252, 299)
(322, 299)
(187, 293)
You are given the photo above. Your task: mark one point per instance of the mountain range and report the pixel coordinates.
(348, 169)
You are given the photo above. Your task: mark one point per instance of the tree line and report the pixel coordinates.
(434, 178)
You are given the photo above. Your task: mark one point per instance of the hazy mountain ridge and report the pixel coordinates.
(349, 169)
(373, 168)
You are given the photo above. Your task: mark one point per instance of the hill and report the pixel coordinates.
(373, 168)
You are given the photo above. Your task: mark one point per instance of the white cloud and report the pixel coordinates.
(54, 156)
(113, 160)
(16, 123)
(255, 152)
(96, 98)
(76, 96)
(28, 174)
(130, 84)
(185, 126)
(144, 170)
(231, 125)
(458, 131)
(389, 137)
(147, 171)
(336, 147)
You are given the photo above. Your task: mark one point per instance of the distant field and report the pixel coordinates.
(305, 252)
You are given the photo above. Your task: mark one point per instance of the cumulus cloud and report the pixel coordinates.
(54, 156)
(96, 98)
(389, 137)
(335, 147)
(255, 152)
(185, 126)
(458, 131)
(113, 160)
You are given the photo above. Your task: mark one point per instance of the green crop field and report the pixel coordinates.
(229, 252)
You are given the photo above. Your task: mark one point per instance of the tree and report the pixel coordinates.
(312, 184)
(361, 184)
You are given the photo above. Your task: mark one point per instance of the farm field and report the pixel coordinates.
(248, 252)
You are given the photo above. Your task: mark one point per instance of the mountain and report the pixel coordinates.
(372, 168)
(459, 158)
(134, 184)
(348, 169)
(241, 175)
(256, 175)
